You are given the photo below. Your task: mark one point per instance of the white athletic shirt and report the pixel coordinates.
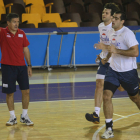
(104, 38)
(123, 39)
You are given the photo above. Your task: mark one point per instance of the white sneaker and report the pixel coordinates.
(11, 121)
(108, 134)
(26, 120)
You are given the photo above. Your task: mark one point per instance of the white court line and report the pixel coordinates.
(64, 100)
(120, 115)
(95, 134)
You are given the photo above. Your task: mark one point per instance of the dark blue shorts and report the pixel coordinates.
(128, 80)
(102, 70)
(11, 74)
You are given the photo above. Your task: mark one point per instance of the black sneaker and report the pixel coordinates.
(93, 118)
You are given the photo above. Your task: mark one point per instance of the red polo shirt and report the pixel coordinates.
(12, 47)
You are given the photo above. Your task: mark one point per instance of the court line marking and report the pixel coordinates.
(96, 133)
(63, 100)
(120, 115)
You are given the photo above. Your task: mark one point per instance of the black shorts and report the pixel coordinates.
(128, 80)
(11, 74)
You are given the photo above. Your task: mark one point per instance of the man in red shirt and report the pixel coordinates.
(14, 47)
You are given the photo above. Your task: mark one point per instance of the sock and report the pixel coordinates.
(108, 121)
(24, 112)
(97, 110)
(12, 113)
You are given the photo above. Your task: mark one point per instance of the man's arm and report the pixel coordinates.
(27, 57)
(104, 60)
(100, 46)
(108, 56)
(98, 58)
(131, 52)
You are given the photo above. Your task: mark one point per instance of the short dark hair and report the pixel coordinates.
(113, 7)
(123, 15)
(11, 15)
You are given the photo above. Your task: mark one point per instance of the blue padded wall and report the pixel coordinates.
(37, 47)
(66, 49)
(85, 54)
(84, 51)
(138, 39)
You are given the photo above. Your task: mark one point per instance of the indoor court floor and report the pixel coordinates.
(59, 100)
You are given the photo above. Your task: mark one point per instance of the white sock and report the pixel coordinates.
(97, 110)
(24, 112)
(108, 121)
(12, 113)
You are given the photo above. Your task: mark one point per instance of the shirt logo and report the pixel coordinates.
(20, 35)
(113, 40)
(104, 38)
(8, 36)
(5, 85)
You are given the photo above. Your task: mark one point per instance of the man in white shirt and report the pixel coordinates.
(122, 69)
(104, 28)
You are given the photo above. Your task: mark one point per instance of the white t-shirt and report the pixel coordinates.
(104, 38)
(123, 39)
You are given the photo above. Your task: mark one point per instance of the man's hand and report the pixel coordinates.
(100, 46)
(29, 71)
(112, 49)
(104, 61)
(98, 58)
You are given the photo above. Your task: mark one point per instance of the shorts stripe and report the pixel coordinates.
(99, 76)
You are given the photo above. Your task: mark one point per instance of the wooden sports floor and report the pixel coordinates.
(58, 102)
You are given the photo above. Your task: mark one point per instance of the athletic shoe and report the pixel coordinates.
(93, 118)
(11, 121)
(108, 134)
(26, 120)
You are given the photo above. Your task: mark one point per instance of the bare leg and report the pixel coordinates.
(25, 104)
(25, 98)
(136, 99)
(10, 101)
(99, 92)
(107, 104)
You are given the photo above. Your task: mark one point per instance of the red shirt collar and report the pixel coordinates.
(9, 30)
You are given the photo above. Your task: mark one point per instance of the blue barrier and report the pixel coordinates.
(84, 51)
(67, 48)
(138, 39)
(85, 54)
(37, 47)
